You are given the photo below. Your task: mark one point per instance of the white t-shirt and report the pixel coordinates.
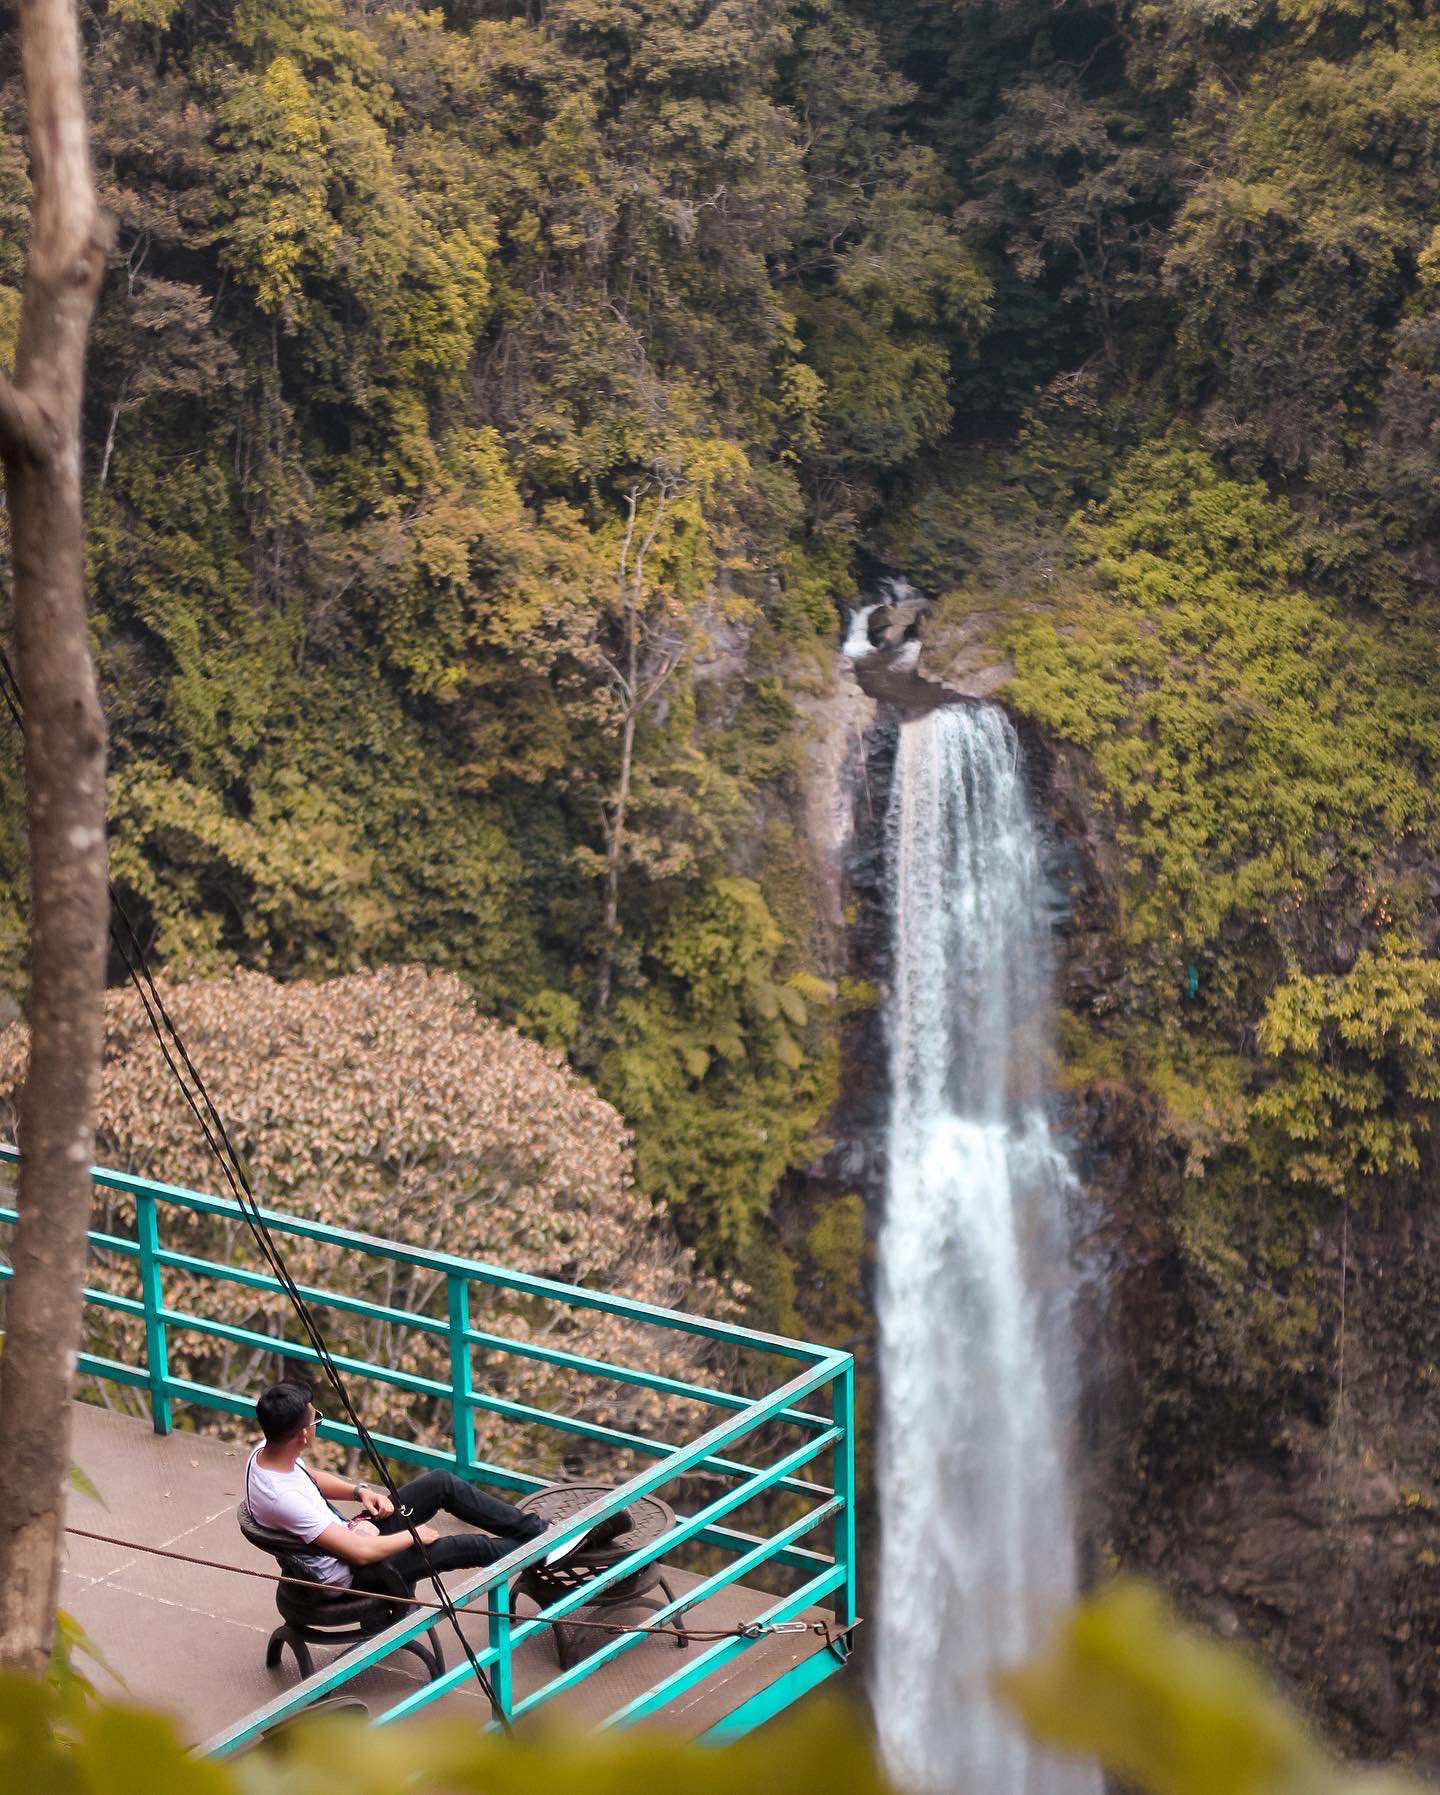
(289, 1501)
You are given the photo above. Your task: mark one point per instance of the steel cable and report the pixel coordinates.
(707, 1635)
(222, 1148)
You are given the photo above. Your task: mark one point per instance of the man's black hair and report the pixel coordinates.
(281, 1410)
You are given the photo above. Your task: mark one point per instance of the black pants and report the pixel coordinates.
(423, 1498)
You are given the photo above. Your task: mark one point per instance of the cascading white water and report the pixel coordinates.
(857, 641)
(977, 1534)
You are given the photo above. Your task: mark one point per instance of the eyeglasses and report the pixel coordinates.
(316, 1417)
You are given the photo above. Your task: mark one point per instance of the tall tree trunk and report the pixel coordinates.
(626, 681)
(65, 783)
(614, 857)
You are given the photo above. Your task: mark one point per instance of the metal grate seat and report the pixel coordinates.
(649, 1518)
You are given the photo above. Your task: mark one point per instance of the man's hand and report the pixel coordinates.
(376, 1503)
(426, 1535)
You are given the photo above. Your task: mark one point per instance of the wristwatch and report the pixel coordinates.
(355, 1493)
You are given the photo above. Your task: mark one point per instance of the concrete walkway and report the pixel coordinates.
(192, 1639)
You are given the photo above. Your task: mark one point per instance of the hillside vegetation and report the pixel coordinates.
(484, 407)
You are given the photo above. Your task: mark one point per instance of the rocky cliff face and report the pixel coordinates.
(835, 721)
(1287, 1499)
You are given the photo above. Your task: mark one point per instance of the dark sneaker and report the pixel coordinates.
(606, 1532)
(603, 1533)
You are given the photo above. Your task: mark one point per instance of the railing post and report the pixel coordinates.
(462, 1383)
(842, 1395)
(502, 1683)
(157, 1351)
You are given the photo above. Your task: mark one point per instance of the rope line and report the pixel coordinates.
(707, 1635)
(217, 1139)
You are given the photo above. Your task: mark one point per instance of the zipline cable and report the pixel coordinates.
(239, 1181)
(217, 1139)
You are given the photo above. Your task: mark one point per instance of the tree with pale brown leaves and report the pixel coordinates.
(384, 1102)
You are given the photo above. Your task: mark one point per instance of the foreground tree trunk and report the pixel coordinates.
(65, 783)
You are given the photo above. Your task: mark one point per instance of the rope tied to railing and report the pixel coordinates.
(748, 1630)
(236, 1174)
(235, 1171)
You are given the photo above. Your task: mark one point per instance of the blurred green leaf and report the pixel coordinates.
(73, 1688)
(82, 1482)
(1168, 1710)
(33, 1757)
(1160, 1706)
(823, 1751)
(126, 1750)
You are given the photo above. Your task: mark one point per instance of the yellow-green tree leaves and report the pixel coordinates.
(276, 181)
(721, 1064)
(1358, 1057)
(1258, 740)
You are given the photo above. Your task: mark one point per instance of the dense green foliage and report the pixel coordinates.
(483, 403)
(1265, 751)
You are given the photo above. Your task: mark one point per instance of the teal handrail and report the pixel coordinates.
(827, 1430)
(827, 1580)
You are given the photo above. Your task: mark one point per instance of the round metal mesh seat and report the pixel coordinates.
(543, 1584)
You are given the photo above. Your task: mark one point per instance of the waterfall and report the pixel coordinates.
(857, 642)
(977, 1531)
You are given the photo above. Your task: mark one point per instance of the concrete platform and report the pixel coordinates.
(191, 1639)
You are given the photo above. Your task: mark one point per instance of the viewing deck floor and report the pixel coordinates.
(191, 1639)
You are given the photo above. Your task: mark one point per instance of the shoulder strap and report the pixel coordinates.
(321, 1494)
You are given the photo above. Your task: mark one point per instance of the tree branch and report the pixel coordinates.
(25, 431)
(632, 500)
(662, 502)
(617, 677)
(662, 676)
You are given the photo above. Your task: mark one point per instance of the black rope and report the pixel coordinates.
(704, 1635)
(217, 1139)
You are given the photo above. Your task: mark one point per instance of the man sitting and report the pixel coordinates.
(282, 1492)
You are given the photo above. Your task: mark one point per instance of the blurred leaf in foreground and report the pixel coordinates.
(822, 1751)
(49, 1746)
(81, 1481)
(1171, 1711)
(70, 1684)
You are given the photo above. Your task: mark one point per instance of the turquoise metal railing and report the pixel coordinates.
(825, 1576)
